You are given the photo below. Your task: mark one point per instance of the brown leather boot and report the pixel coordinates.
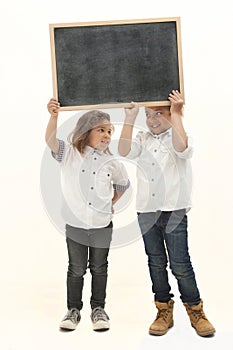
(198, 320)
(164, 319)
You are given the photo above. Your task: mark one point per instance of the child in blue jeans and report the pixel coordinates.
(92, 181)
(163, 198)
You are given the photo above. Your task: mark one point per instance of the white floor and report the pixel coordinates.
(33, 324)
(33, 305)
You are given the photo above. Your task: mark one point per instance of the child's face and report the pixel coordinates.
(100, 136)
(158, 119)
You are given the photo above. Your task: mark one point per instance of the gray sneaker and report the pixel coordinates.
(71, 319)
(100, 319)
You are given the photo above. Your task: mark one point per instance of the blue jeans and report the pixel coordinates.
(86, 250)
(165, 238)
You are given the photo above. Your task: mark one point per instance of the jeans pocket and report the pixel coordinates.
(146, 221)
(177, 221)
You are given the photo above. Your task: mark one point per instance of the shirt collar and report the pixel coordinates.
(90, 150)
(162, 134)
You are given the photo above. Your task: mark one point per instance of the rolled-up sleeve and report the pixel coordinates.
(120, 177)
(121, 187)
(61, 152)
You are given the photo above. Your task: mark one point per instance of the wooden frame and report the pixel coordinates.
(69, 66)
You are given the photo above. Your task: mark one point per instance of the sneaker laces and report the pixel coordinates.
(72, 315)
(99, 314)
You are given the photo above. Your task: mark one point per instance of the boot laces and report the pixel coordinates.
(163, 313)
(198, 314)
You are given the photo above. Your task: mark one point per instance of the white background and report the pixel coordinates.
(33, 255)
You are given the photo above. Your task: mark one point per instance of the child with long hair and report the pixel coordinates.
(92, 181)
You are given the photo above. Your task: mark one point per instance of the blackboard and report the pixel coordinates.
(110, 64)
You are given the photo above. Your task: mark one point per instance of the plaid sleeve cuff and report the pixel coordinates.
(60, 154)
(121, 187)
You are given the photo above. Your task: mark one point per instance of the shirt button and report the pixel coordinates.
(89, 203)
(108, 174)
(95, 158)
(83, 170)
(153, 194)
(155, 150)
(93, 172)
(152, 179)
(153, 163)
(92, 188)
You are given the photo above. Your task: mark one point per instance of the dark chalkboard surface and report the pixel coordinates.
(110, 64)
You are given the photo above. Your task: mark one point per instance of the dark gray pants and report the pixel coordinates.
(87, 249)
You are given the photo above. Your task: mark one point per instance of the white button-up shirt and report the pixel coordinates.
(87, 182)
(164, 176)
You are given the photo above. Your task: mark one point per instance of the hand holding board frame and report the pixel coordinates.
(109, 64)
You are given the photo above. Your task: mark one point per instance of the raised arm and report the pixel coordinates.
(179, 137)
(125, 141)
(51, 130)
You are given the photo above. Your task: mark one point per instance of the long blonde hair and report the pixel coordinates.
(89, 120)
